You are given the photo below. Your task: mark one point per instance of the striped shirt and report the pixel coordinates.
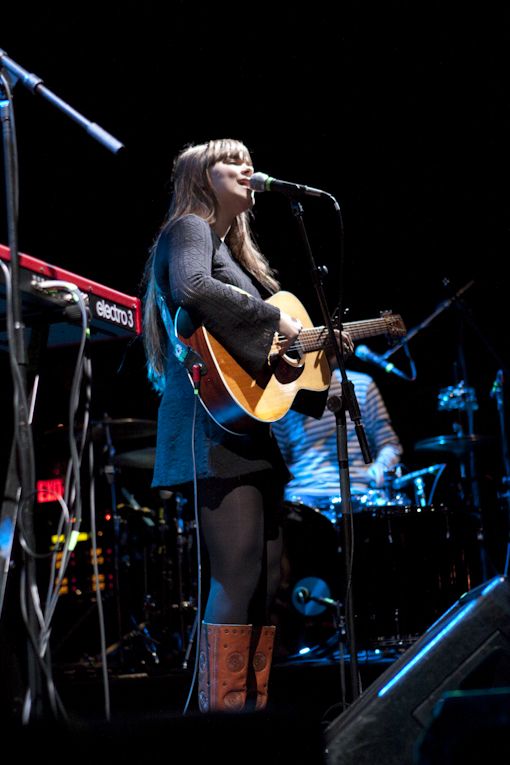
(309, 446)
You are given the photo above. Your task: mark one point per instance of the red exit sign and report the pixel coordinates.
(48, 491)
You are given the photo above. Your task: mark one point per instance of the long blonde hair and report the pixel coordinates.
(192, 193)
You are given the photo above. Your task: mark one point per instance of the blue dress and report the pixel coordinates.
(194, 269)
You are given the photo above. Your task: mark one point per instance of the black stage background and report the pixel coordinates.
(398, 110)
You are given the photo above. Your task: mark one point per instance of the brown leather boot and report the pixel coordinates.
(223, 666)
(263, 638)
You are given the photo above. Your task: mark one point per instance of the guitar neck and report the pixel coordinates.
(317, 338)
(370, 328)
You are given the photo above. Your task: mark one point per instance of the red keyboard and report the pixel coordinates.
(113, 314)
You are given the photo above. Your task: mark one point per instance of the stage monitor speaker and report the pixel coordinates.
(468, 727)
(468, 647)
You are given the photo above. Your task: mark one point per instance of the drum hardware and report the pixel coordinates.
(458, 397)
(396, 644)
(134, 510)
(311, 596)
(140, 634)
(462, 398)
(370, 500)
(411, 563)
(124, 429)
(144, 459)
(310, 564)
(121, 430)
(497, 395)
(463, 448)
(419, 492)
(182, 576)
(416, 478)
(458, 445)
(180, 540)
(191, 642)
(415, 564)
(176, 597)
(104, 431)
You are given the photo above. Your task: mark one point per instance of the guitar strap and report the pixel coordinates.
(184, 353)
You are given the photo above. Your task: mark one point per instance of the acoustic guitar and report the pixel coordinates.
(237, 401)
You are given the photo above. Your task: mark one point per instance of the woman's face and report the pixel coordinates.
(230, 179)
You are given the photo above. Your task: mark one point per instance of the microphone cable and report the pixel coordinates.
(197, 624)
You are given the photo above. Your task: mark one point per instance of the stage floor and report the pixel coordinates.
(147, 717)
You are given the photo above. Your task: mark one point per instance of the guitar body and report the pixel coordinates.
(237, 401)
(233, 398)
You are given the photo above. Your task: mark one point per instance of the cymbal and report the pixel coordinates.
(458, 445)
(127, 428)
(138, 458)
(120, 430)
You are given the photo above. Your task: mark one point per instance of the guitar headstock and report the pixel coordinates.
(395, 326)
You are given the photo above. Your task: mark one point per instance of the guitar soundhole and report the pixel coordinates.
(287, 368)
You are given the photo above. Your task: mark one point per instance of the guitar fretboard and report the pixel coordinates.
(316, 338)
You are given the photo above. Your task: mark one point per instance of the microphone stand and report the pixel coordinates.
(455, 300)
(20, 480)
(35, 85)
(349, 403)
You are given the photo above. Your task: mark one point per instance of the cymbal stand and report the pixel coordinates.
(497, 394)
(179, 547)
(348, 403)
(458, 304)
(181, 574)
(138, 631)
(191, 642)
(109, 472)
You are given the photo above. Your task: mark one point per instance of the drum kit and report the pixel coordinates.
(414, 555)
(146, 557)
(418, 547)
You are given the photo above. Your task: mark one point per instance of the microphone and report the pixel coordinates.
(303, 596)
(263, 182)
(365, 354)
(399, 483)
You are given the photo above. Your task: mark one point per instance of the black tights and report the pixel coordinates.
(245, 567)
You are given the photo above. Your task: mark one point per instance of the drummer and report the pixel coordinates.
(309, 448)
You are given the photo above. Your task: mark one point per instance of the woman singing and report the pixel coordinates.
(203, 250)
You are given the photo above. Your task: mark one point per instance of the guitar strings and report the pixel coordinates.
(312, 338)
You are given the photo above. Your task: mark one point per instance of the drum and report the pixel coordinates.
(410, 565)
(371, 498)
(310, 566)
